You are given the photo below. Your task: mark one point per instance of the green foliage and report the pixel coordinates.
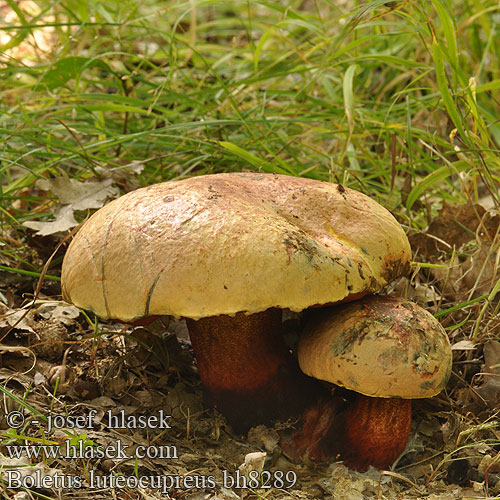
(379, 95)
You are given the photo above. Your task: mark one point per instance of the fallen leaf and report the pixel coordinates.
(125, 176)
(476, 274)
(490, 388)
(480, 270)
(9, 318)
(73, 195)
(489, 464)
(454, 226)
(7, 376)
(39, 379)
(102, 401)
(463, 345)
(58, 311)
(79, 195)
(263, 437)
(21, 495)
(35, 472)
(63, 221)
(253, 462)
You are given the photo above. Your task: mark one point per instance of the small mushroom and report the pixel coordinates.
(389, 350)
(229, 252)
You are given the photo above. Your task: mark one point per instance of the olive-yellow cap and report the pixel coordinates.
(378, 346)
(228, 243)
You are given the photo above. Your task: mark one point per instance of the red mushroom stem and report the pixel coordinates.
(357, 429)
(375, 431)
(247, 370)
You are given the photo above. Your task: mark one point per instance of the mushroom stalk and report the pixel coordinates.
(250, 376)
(247, 371)
(357, 429)
(375, 431)
(245, 242)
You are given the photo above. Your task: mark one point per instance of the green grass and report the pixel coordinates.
(364, 94)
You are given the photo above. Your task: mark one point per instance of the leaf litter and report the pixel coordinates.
(73, 196)
(490, 387)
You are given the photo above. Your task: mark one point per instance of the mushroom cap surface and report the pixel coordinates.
(228, 243)
(378, 346)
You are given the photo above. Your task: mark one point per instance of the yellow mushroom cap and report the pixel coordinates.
(228, 243)
(378, 346)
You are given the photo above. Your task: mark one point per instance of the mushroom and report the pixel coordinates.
(229, 252)
(383, 348)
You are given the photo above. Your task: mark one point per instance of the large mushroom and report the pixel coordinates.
(382, 348)
(229, 252)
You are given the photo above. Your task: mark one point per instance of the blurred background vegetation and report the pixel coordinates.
(400, 100)
(397, 99)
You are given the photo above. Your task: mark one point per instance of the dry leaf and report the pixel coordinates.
(22, 495)
(454, 226)
(7, 376)
(490, 388)
(39, 379)
(263, 437)
(37, 472)
(253, 462)
(125, 176)
(478, 272)
(490, 464)
(79, 195)
(58, 311)
(463, 345)
(63, 221)
(73, 195)
(9, 318)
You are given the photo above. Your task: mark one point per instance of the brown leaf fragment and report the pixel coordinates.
(454, 226)
(475, 276)
(463, 345)
(263, 437)
(490, 388)
(480, 270)
(58, 311)
(79, 195)
(17, 319)
(85, 389)
(63, 221)
(125, 176)
(73, 195)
